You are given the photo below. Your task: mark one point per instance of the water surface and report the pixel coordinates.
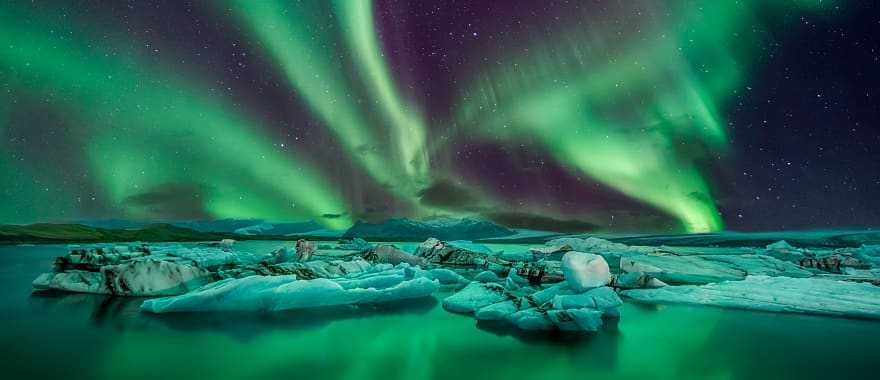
(72, 336)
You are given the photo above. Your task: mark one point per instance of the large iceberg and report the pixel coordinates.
(776, 294)
(267, 293)
(170, 269)
(144, 277)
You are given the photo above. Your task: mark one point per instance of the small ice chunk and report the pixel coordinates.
(531, 319)
(475, 296)
(576, 319)
(487, 276)
(496, 311)
(597, 299)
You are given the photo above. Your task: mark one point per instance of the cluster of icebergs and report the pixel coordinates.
(580, 303)
(569, 284)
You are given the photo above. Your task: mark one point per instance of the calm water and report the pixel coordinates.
(95, 337)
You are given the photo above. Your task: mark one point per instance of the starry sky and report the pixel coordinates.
(687, 116)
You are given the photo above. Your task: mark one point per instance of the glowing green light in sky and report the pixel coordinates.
(636, 111)
(632, 99)
(305, 46)
(621, 110)
(357, 19)
(150, 129)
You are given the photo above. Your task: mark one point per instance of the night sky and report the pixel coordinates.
(627, 116)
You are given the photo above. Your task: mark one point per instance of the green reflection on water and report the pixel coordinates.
(80, 336)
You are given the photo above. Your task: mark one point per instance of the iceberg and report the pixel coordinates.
(612, 252)
(681, 269)
(390, 254)
(760, 265)
(171, 269)
(274, 293)
(304, 249)
(475, 296)
(487, 276)
(784, 251)
(775, 294)
(355, 244)
(209, 258)
(699, 269)
(444, 276)
(576, 319)
(598, 298)
(565, 311)
(869, 254)
(145, 277)
(439, 252)
(635, 280)
(835, 262)
(534, 273)
(577, 304)
(585, 271)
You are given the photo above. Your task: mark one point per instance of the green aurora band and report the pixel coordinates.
(139, 117)
(636, 112)
(305, 47)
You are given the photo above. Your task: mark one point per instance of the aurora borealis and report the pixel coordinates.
(687, 115)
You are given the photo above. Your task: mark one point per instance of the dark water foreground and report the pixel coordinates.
(48, 336)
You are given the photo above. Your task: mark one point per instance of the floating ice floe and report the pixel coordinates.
(635, 280)
(267, 293)
(389, 254)
(775, 294)
(705, 269)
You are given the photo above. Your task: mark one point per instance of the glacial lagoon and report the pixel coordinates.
(78, 336)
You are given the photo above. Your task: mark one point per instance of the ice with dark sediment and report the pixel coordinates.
(389, 254)
(133, 270)
(439, 252)
(144, 277)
